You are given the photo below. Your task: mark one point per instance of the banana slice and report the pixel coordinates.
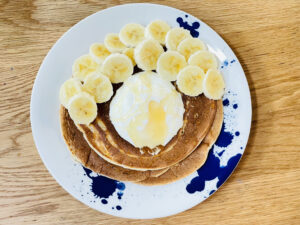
(175, 36)
(99, 86)
(99, 52)
(189, 46)
(130, 53)
(213, 84)
(204, 59)
(147, 53)
(117, 67)
(83, 66)
(190, 80)
(82, 108)
(157, 30)
(169, 64)
(113, 43)
(69, 88)
(132, 34)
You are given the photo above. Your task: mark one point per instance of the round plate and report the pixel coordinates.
(128, 199)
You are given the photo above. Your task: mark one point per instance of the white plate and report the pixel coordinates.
(127, 199)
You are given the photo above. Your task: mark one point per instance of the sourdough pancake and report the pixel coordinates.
(105, 140)
(195, 160)
(83, 153)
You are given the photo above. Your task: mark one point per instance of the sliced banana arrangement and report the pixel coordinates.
(189, 46)
(204, 59)
(147, 53)
(99, 86)
(130, 53)
(84, 66)
(190, 80)
(175, 36)
(98, 52)
(132, 34)
(157, 30)
(169, 64)
(213, 84)
(117, 67)
(69, 88)
(186, 62)
(113, 43)
(82, 108)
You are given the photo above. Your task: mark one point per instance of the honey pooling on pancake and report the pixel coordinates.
(155, 130)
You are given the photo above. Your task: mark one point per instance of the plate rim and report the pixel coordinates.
(38, 77)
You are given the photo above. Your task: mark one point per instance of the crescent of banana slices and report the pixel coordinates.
(82, 108)
(169, 64)
(84, 66)
(157, 30)
(68, 89)
(113, 43)
(117, 67)
(132, 34)
(147, 53)
(213, 84)
(98, 52)
(204, 59)
(99, 86)
(189, 46)
(190, 80)
(175, 36)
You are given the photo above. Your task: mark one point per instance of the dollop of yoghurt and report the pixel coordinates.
(147, 111)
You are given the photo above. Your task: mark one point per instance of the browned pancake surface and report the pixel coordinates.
(104, 139)
(83, 153)
(196, 159)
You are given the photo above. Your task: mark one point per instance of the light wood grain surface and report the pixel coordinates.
(265, 187)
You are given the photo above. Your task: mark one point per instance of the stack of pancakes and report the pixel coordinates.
(99, 147)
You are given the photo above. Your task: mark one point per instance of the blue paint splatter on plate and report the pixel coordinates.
(103, 187)
(226, 102)
(225, 138)
(210, 170)
(192, 28)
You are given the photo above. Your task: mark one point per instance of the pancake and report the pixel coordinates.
(105, 141)
(83, 153)
(195, 160)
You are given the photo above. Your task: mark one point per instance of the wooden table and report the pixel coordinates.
(265, 187)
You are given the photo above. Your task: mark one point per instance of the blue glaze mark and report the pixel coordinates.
(221, 153)
(226, 102)
(225, 138)
(186, 16)
(235, 106)
(210, 170)
(120, 194)
(121, 186)
(192, 28)
(241, 147)
(211, 192)
(118, 207)
(232, 61)
(225, 63)
(112, 207)
(103, 187)
(237, 133)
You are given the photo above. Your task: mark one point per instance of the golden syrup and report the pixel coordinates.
(155, 130)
